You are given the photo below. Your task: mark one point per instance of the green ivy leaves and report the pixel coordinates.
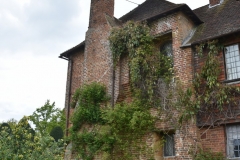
(145, 64)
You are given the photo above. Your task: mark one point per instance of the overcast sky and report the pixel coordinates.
(32, 35)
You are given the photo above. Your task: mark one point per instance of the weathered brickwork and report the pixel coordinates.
(122, 87)
(182, 57)
(74, 79)
(183, 67)
(77, 71)
(97, 56)
(213, 139)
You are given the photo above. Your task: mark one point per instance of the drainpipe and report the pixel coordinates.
(69, 94)
(113, 86)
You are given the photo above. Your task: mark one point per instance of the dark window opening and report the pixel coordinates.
(169, 147)
(166, 49)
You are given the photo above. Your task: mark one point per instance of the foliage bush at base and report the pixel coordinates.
(209, 155)
(101, 129)
(24, 144)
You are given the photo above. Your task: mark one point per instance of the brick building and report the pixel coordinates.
(180, 28)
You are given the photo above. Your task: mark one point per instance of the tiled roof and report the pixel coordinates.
(65, 55)
(153, 9)
(218, 21)
(148, 9)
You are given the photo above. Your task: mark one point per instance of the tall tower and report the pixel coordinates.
(97, 54)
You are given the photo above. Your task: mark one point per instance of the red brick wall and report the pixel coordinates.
(93, 64)
(77, 70)
(213, 139)
(98, 10)
(179, 26)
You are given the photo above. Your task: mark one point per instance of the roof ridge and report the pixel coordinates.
(200, 7)
(151, 4)
(133, 9)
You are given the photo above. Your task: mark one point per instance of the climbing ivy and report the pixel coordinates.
(89, 99)
(146, 64)
(101, 129)
(208, 94)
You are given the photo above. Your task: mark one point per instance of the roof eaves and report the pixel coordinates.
(66, 54)
(214, 37)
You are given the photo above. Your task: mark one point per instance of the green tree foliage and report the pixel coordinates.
(47, 117)
(24, 144)
(57, 133)
(11, 122)
(6, 127)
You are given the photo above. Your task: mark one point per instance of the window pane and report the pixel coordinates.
(166, 49)
(236, 47)
(232, 60)
(237, 59)
(169, 145)
(233, 141)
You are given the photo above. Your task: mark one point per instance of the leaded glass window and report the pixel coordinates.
(169, 147)
(233, 141)
(166, 49)
(232, 62)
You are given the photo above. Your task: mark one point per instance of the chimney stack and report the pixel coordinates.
(214, 2)
(99, 8)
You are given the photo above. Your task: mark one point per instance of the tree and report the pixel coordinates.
(24, 144)
(57, 133)
(47, 117)
(6, 127)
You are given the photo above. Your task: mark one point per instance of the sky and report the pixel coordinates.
(32, 35)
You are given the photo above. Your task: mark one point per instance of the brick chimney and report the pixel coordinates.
(99, 8)
(214, 2)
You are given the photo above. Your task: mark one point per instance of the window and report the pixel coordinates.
(232, 62)
(233, 141)
(169, 147)
(166, 49)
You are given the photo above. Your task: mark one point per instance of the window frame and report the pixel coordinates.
(228, 140)
(225, 64)
(164, 45)
(172, 135)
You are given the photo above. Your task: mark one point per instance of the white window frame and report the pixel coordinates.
(232, 62)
